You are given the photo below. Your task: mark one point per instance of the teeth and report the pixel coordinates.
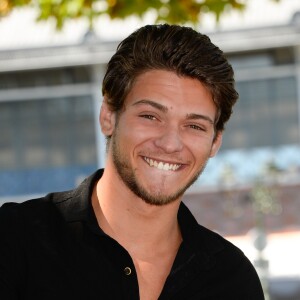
(161, 166)
(166, 167)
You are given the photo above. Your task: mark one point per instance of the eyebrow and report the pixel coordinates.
(199, 117)
(163, 108)
(153, 104)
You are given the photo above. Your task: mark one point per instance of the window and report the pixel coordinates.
(51, 77)
(47, 133)
(46, 144)
(266, 114)
(261, 59)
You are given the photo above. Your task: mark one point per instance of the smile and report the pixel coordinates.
(161, 165)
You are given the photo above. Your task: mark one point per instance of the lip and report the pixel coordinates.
(162, 164)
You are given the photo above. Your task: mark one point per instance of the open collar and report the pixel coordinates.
(75, 205)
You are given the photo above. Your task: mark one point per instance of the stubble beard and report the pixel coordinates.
(128, 175)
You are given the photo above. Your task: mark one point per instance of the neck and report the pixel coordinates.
(136, 225)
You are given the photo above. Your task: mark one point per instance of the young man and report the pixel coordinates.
(124, 233)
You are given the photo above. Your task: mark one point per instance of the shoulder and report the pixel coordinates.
(31, 210)
(219, 248)
(24, 220)
(203, 239)
(48, 213)
(69, 205)
(36, 225)
(231, 266)
(224, 262)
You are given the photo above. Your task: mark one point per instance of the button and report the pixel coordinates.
(127, 271)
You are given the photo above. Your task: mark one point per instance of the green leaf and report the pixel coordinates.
(172, 11)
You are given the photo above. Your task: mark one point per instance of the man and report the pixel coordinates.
(124, 233)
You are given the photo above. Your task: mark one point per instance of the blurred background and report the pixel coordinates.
(50, 93)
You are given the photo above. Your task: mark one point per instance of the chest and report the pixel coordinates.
(152, 275)
(60, 267)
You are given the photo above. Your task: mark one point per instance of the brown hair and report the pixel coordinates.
(173, 48)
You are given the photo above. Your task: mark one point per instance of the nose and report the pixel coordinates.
(169, 141)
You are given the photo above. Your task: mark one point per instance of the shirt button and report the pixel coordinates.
(127, 271)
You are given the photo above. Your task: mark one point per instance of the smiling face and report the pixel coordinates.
(162, 139)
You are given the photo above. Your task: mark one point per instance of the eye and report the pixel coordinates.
(150, 117)
(197, 127)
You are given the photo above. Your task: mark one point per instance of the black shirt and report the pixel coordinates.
(53, 248)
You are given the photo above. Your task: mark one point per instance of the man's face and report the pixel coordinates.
(164, 136)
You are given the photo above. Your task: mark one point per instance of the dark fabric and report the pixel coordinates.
(53, 248)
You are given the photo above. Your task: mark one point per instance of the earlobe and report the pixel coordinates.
(107, 119)
(216, 144)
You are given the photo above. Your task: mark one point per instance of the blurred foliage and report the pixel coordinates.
(170, 11)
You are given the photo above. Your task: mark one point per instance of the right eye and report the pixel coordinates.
(147, 116)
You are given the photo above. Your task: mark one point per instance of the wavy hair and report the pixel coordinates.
(172, 48)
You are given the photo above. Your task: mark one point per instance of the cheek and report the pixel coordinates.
(128, 138)
(201, 151)
(135, 135)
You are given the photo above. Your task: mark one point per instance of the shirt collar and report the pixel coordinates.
(76, 205)
(196, 236)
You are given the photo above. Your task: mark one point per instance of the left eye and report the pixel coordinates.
(196, 127)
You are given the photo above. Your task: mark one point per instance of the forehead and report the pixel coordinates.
(168, 88)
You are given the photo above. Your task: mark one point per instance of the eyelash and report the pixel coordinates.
(150, 117)
(192, 126)
(196, 127)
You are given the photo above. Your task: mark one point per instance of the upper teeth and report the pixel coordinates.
(160, 165)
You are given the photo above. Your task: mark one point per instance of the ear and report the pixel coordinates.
(216, 143)
(107, 119)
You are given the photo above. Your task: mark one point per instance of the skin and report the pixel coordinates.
(160, 143)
